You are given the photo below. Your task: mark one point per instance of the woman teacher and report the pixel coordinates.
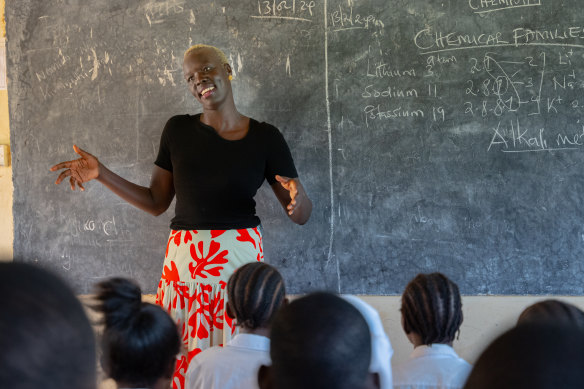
(214, 162)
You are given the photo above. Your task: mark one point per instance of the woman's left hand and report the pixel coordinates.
(293, 198)
(291, 185)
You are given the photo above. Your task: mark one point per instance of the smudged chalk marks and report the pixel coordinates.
(95, 70)
(288, 70)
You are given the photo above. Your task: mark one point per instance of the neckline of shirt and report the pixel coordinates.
(251, 341)
(197, 117)
(434, 349)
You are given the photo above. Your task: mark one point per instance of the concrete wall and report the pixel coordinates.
(485, 318)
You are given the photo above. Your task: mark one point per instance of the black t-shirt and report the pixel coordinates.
(216, 179)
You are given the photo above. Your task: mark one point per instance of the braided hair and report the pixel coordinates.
(432, 308)
(255, 291)
(140, 340)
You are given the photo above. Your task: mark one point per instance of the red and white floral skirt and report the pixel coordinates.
(197, 266)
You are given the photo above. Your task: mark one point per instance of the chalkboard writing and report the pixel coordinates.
(431, 136)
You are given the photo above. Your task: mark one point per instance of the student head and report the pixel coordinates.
(46, 340)
(140, 340)
(431, 309)
(552, 311)
(255, 293)
(318, 341)
(534, 356)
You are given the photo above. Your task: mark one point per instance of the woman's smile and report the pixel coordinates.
(207, 92)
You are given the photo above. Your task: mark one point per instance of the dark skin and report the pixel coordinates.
(203, 72)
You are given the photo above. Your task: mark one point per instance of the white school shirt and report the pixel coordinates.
(381, 350)
(432, 367)
(234, 366)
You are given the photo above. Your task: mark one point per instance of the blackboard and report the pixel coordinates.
(431, 135)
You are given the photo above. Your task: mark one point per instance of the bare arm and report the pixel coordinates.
(293, 198)
(154, 199)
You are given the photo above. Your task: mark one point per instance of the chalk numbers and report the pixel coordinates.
(285, 7)
(429, 67)
(504, 84)
(484, 110)
(438, 114)
(470, 89)
(475, 67)
(307, 5)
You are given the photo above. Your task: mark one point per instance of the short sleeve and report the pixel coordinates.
(279, 159)
(163, 159)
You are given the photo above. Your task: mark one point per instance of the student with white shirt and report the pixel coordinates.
(319, 341)
(431, 318)
(255, 293)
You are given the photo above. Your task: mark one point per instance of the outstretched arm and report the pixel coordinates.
(293, 198)
(154, 199)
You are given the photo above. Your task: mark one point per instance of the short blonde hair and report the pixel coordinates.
(217, 51)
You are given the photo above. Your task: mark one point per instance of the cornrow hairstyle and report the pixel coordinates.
(140, 340)
(320, 341)
(219, 52)
(432, 308)
(255, 291)
(46, 339)
(552, 311)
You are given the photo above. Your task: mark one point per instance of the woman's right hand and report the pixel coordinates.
(79, 170)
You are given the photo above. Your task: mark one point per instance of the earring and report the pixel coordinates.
(230, 77)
